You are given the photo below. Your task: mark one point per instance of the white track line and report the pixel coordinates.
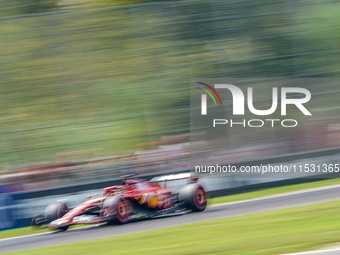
(45, 233)
(17, 237)
(314, 252)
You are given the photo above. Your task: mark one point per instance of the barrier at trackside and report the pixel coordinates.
(17, 209)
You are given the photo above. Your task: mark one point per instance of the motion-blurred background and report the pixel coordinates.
(92, 89)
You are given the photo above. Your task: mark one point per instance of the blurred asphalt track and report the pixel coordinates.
(214, 212)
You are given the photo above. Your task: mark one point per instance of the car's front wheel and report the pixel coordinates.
(117, 209)
(56, 211)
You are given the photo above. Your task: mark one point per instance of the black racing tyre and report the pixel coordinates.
(194, 197)
(64, 228)
(38, 221)
(117, 209)
(56, 211)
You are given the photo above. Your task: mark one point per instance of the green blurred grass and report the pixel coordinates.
(274, 232)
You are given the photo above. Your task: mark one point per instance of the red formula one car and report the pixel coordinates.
(135, 199)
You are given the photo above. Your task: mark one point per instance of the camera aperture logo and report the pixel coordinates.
(238, 105)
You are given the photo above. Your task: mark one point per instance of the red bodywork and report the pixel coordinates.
(147, 194)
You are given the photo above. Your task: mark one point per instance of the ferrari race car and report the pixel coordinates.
(135, 199)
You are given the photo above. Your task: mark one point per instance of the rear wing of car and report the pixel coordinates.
(174, 180)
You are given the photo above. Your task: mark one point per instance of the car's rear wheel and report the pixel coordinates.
(194, 197)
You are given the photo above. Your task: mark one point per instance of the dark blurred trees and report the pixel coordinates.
(30, 6)
(87, 65)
